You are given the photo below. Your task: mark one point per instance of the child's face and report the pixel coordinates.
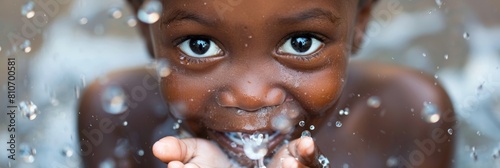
(253, 66)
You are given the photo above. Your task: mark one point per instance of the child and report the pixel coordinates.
(255, 78)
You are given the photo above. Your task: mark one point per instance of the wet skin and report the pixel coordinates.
(255, 71)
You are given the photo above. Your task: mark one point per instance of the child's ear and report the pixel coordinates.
(362, 19)
(143, 27)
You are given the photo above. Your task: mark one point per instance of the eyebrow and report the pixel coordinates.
(314, 13)
(181, 15)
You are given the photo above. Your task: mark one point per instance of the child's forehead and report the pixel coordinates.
(256, 8)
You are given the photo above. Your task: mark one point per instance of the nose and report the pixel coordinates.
(251, 95)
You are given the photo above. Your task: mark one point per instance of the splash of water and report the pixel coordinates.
(255, 147)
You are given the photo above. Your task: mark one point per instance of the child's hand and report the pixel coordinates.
(201, 153)
(190, 153)
(301, 152)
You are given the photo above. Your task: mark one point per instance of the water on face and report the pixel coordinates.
(282, 124)
(114, 100)
(150, 11)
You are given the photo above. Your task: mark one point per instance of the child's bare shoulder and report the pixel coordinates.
(396, 111)
(121, 104)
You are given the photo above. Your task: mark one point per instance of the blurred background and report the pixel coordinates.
(60, 46)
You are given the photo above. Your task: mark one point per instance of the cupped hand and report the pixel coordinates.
(201, 153)
(190, 153)
(299, 153)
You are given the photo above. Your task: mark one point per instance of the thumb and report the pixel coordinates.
(173, 149)
(305, 150)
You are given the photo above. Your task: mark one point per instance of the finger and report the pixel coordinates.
(305, 151)
(172, 149)
(192, 152)
(175, 164)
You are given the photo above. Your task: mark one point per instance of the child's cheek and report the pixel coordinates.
(184, 96)
(320, 90)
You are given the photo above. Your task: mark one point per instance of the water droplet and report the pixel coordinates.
(83, 21)
(338, 124)
(392, 162)
(163, 68)
(305, 133)
(478, 133)
(439, 3)
(0, 48)
(345, 165)
(176, 126)
(122, 148)
(374, 102)
(27, 153)
(114, 100)
(125, 123)
(234, 145)
(67, 152)
(282, 124)
(344, 111)
(446, 57)
(430, 113)
(26, 46)
(27, 9)
(450, 131)
(77, 92)
(29, 109)
(108, 163)
(255, 146)
(473, 155)
(496, 153)
(116, 13)
(302, 123)
(150, 11)
(323, 161)
(311, 127)
(131, 22)
(436, 76)
(140, 152)
(466, 36)
(250, 37)
(424, 54)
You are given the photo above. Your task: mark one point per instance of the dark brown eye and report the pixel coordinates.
(199, 47)
(300, 45)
